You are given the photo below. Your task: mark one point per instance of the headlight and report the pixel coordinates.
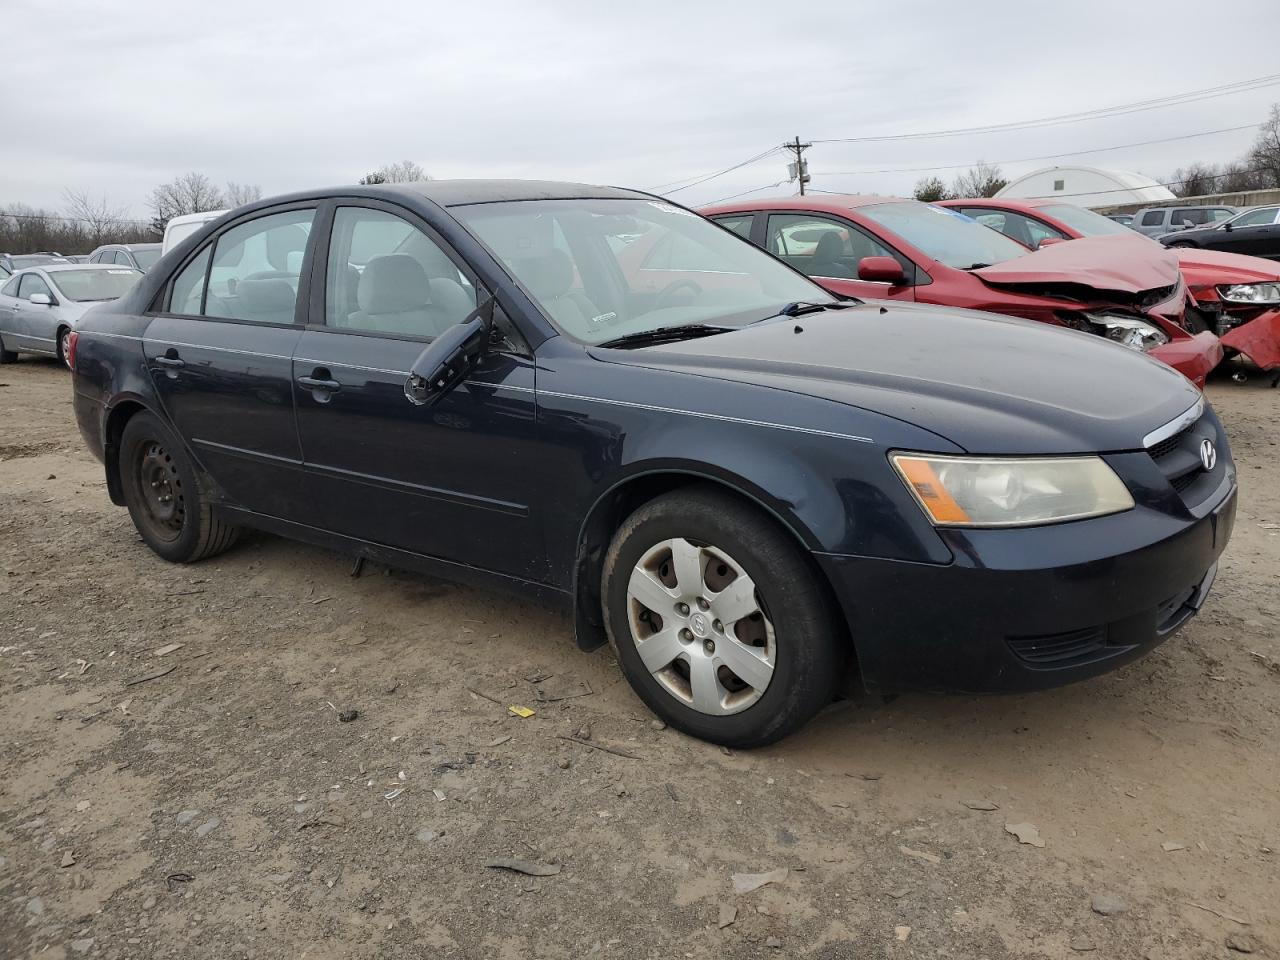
(999, 492)
(1251, 293)
(1130, 331)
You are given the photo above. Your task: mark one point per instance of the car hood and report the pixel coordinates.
(1114, 262)
(1211, 267)
(989, 384)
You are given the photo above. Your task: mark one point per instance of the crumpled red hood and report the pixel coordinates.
(1120, 263)
(1204, 268)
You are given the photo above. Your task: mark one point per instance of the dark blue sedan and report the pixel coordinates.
(596, 397)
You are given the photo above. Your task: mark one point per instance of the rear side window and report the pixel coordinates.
(1153, 218)
(387, 276)
(256, 267)
(739, 225)
(1255, 218)
(187, 296)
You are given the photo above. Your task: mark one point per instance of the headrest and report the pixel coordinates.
(548, 277)
(393, 284)
(283, 241)
(266, 296)
(830, 246)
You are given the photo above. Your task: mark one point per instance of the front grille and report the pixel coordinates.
(1178, 459)
(1166, 447)
(1060, 649)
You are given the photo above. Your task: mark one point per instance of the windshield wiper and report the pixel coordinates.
(800, 307)
(688, 331)
(976, 266)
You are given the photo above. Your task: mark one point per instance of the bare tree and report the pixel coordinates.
(1265, 155)
(189, 193)
(99, 217)
(406, 171)
(1195, 180)
(930, 189)
(981, 180)
(238, 194)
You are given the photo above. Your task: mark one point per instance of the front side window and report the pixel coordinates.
(33, 283)
(673, 268)
(387, 276)
(1016, 226)
(256, 267)
(1085, 222)
(187, 295)
(949, 237)
(819, 246)
(91, 286)
(1153, 218)
(10, 289)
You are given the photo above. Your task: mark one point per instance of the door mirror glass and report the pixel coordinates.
(881, 270)
(41, 298)
(449, 358)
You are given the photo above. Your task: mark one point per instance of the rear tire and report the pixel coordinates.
(170, 511)
(7, 356)
(699, 557)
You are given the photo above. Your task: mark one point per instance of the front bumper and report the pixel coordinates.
(1027, 609)
(1193, 357)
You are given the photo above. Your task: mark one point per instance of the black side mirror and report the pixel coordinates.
(1227, 226)
(449, 358)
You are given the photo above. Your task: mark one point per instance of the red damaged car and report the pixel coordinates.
(888, 248)
(1235, 296)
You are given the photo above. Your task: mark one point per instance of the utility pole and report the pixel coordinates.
(799, 168)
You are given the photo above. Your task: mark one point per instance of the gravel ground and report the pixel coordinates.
(227, 808)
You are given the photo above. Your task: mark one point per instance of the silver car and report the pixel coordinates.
(39, 306)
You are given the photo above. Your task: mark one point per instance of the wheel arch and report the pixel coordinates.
(629, 493)
(118, 415)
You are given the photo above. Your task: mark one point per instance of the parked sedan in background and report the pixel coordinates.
(39, 306)
(1121, 287)
(1255, 232)
(15, 262)
(741, 481)
(1237, 297)
(1153, 221)
(140, 256)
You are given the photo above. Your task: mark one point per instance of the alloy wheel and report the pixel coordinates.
(700, 626)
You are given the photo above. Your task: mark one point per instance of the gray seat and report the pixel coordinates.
(828, 257)
(550, 279)
(270, 300)
(395, 295)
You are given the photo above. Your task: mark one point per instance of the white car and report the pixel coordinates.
(179, 228)
(39, 306)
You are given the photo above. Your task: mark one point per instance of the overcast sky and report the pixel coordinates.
(116, 98)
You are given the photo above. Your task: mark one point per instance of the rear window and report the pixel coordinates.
(85, 286)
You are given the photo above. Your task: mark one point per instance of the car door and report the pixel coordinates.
(220, 354)
(34, 326)
(450, 481)
(9, 318)
(829, 249)
(1251, 233)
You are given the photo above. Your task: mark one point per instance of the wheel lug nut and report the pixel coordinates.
(709, 646)
(719, 627)
(686, 634)
(682, 609)
(702, 604)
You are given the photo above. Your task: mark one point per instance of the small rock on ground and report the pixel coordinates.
(1108, 904)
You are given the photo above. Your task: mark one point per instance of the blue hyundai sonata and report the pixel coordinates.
(596, 397)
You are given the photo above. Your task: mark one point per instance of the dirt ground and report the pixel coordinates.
(224, 810)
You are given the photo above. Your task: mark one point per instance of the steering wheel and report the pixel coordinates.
(671, 289)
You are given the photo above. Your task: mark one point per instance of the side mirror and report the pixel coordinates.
(448, 359)
(1227, 226)
(881, 270)
(1050, 241)
(41, 298)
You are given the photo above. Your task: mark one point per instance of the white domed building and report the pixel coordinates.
(1087, 187)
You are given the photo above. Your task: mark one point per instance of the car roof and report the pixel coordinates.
(55, 267)
(1010, 203)
(454, 193)
(826, 203)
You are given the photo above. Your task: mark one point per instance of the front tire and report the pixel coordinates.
(719, 621)
(171, 513)
(63, 334)
(7, 356)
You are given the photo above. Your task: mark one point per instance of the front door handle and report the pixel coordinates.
(319, 383)
(173, 363)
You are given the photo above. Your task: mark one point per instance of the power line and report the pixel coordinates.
(720, 173)
(1098, 113)
(51, 216)
(734, 196)
(1050, 156)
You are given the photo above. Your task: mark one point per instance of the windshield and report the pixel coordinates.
(1085, 222)
(87, 285)
(603, 269)
(949, 237)
(146, 257)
